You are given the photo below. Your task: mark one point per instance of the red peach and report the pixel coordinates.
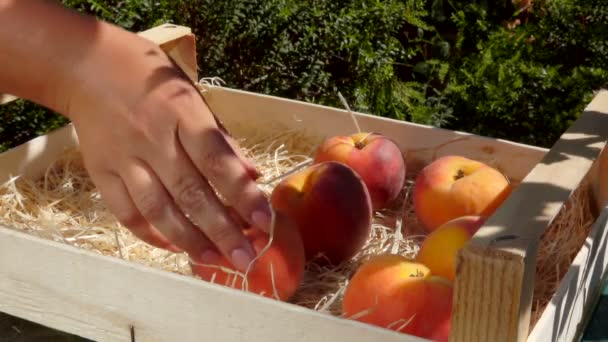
(375, 157)
(455, 186)
(331, 207)
(397, 293)
(280, 267)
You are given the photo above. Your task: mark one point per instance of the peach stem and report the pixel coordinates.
(349, 112)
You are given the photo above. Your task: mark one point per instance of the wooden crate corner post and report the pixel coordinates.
(179, 43)
(494, 284)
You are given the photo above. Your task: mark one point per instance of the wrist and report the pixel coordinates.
(119, 71)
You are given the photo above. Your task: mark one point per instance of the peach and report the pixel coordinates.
(436, 314)
(376, 158)
(280, 267)
(454, 186)
(442, 332)
(331, 207)
(394, 292)
(439, 248)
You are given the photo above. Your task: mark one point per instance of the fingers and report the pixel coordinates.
(157, 207)
(251, 170)
(212, 154)
(196, 198)
(117, 198)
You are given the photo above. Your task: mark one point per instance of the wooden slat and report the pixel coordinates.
(32, 158)
(486, 308)
(101, 298)
(179, 43)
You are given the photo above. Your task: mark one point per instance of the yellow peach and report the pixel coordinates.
(439, 248)
(397, 293)
(455, 186)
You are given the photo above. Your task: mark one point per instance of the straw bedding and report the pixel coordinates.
(64, 206)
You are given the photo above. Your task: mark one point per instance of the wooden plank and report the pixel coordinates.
(499, 308)
(272, 114)
(101, 298)
(32, 158)
(570, 306)
(179, 43)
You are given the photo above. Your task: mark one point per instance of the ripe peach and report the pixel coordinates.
(280, 267)
(439, 248)
(331, 207)
(436, 314)
(442, 332)
(454, 186)
(394, 292)
(376, 158)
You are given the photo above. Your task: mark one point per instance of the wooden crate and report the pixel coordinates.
(108, 299)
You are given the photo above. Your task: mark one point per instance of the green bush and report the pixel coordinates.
(21, 121)
(458, 64)
(529, 83)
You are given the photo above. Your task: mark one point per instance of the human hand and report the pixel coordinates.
(153, 148)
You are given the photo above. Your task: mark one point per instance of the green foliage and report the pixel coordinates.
(486, 67)
(21, 121)
(529, 83)
(311, 50)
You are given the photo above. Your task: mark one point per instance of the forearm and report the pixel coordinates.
(40, 41)
(49, 52)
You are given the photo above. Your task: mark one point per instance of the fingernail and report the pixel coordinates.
(210, 257)
(241, 259)
(254, 172)
(262, 217)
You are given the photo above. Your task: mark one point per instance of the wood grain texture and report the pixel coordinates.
(488, 282)
(32, 158)
(177, 42)
(516, 227)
